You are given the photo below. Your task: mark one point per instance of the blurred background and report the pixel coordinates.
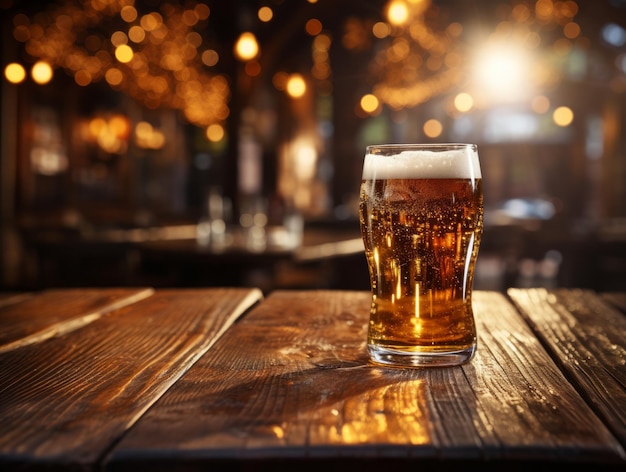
(199, 143)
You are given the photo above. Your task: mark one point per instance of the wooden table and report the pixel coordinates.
(224, 378)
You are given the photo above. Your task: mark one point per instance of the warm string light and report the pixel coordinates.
(420, 61)
(417, 62)
(157, 58)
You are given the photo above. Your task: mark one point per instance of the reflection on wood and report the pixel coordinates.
(55, 312)
(293, 380)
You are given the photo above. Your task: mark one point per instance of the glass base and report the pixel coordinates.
(392, 357)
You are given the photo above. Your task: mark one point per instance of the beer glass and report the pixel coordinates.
(421, 217)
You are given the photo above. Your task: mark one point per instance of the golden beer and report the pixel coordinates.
(421, 214)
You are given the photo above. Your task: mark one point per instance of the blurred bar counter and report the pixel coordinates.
(183, 255)
(314, 255)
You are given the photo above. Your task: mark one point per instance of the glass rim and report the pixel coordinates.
(426, 146)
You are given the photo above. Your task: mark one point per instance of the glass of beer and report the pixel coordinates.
(421, 216)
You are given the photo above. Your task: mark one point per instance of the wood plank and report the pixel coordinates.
(292, 381)
(587, 337)
(59, 311)
(9, 298)
(65, 400)
(617, 299)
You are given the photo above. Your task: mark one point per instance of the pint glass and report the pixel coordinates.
(421, 216)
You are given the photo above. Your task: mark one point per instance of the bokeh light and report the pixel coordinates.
(433, 128)
(381, 30)
(463, 102)
(41, 72)
(114, 76)
(14, 73)
(210, 57)
(369, 103)
(148, 137)
(563, 116)
(215, 133)
(540, 104)
(265, 14)
(313, 27)
(128, 13)
(397, 12)
(246, 47)
(124, 53)
(296, 86)
(252, 68)
(136, 34)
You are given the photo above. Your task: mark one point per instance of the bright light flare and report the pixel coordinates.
(502, 72)
(247, 47)
(397, 12)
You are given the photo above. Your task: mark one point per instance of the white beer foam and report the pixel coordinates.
(460, 163)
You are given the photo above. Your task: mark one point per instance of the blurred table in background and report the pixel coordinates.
(179, 256)
(321, 256)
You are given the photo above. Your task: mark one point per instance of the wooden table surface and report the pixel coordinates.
(135, 379)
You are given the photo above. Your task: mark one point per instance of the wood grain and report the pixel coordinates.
(65, 400)
(587, 337)
(55, 312)
(9, 298)
(616, 299)
(292, 381)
